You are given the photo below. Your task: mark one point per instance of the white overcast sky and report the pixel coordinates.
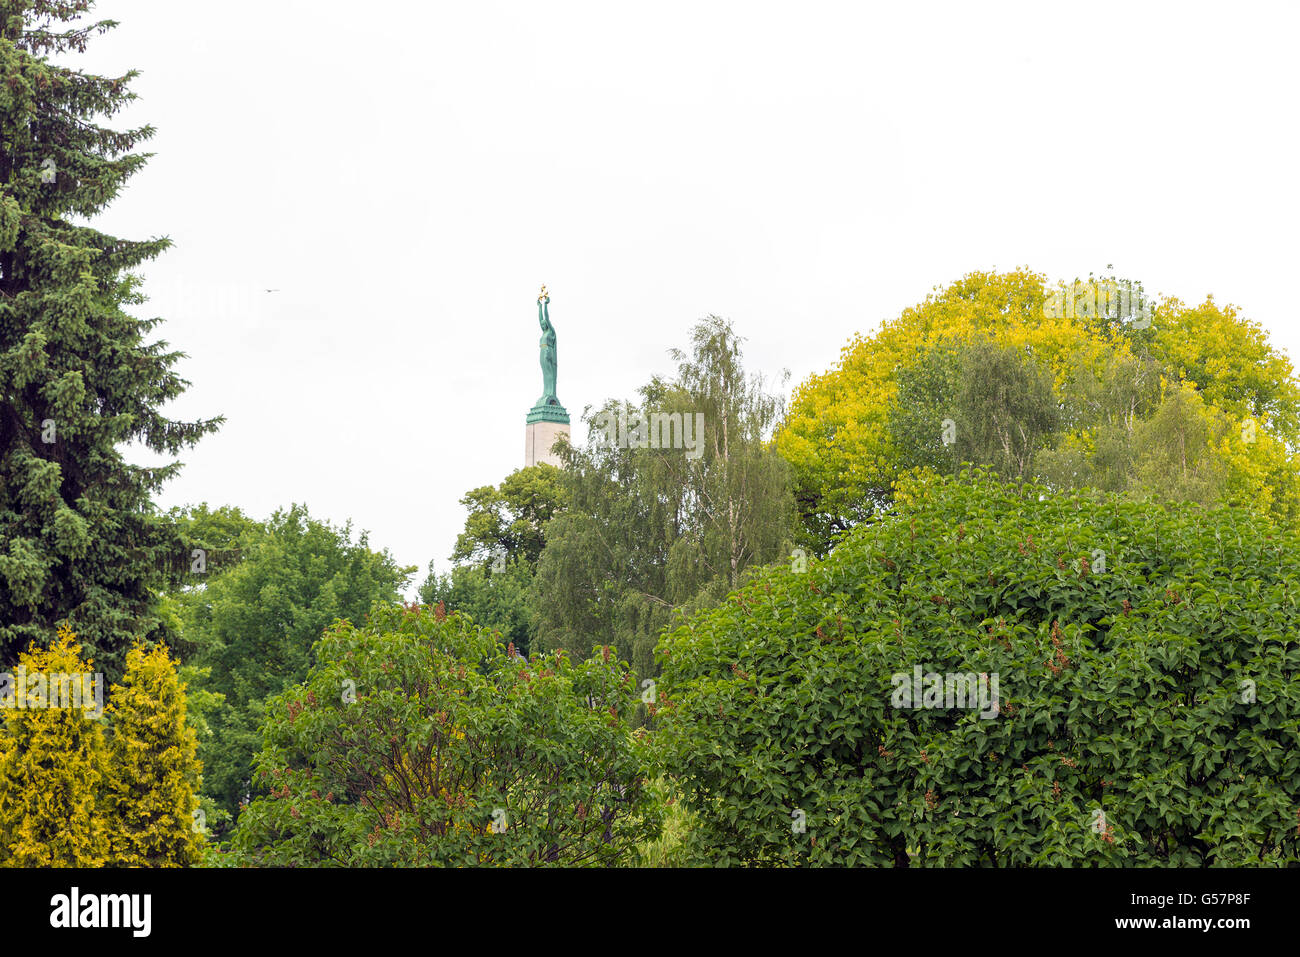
(408, 174)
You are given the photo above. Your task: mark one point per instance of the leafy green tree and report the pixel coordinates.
(498, 600)
(212, 542)
(200, 704)
(79, 537)
(505, 523)
(973, 403)
(1174, 449)
(254, 624)
(1101, 410)
(417, 740)
(654, 526)
(919, 413)
(739, 506)
(497, 554)
(152, 783)
(1144, 712)
(1006, 408)
(52, 762)
(603, 576)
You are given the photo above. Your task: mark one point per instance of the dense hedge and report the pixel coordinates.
(1124, 636)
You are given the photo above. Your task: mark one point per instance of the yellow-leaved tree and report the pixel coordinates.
(1086, 384)
(1250, 388)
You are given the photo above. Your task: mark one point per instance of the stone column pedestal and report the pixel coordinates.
(542, 427)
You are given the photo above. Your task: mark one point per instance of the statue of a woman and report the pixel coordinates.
(548, 356)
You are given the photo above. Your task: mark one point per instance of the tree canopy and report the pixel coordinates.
(252, 623)
(506, 522)
(673, 498)
(1124, 381)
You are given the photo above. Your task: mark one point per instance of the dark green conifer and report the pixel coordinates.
(79, 536)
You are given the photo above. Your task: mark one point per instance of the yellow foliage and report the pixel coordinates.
(151, 790)
(837, 438)
(52, 763)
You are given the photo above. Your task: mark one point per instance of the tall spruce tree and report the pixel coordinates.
(79, 537)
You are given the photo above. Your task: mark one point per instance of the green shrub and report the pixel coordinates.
(1148, 698)
(413, 736)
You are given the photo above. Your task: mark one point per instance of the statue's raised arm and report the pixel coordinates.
(544, 312)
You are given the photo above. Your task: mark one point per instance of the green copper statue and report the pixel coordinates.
(549, 361)
(548, 407)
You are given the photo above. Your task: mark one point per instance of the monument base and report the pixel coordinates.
(538, 439)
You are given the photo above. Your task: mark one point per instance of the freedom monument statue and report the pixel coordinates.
(547, 420)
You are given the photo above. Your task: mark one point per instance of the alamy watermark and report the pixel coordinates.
(1102, 297)
(952, 690)
(657, 430)
(37, 690)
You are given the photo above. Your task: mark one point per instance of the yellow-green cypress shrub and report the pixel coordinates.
(151, 789)
(51, 766)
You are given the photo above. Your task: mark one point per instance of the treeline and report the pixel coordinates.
(665, 651)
